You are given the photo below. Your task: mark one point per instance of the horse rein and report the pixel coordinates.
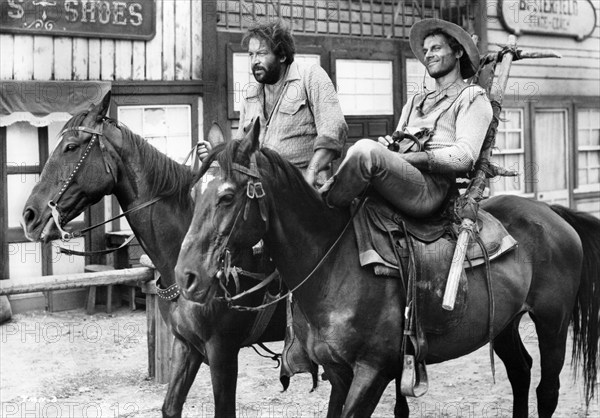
(251, 194)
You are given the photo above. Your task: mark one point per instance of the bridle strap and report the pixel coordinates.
(312, 272)
(170, 293)
(242, 169)
(68, 235)
(68, 251)
(254, 288)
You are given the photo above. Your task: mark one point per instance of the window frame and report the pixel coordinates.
(525, 150)
(15, 235)
(155, 100)
(588, 190)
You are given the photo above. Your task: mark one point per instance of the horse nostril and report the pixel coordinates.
(190, 280)
(28, 215)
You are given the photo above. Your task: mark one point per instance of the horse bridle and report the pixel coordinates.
(97, 136)
(255, 190)
(53, 204)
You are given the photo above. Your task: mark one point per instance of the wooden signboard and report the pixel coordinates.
(570, 18)
(87, 18)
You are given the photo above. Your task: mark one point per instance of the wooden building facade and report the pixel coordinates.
(175, 66)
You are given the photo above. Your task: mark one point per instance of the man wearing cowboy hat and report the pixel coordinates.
(449, 122)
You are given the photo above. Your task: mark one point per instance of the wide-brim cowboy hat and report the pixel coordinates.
(418, 32)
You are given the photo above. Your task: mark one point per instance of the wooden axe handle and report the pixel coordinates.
(496, 94)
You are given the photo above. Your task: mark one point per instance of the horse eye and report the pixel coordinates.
(225, 199)
(71, 147)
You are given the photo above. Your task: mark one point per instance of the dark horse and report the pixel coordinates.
(135, 173)
(356, 318)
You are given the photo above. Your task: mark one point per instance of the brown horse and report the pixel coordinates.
(356, 319)
(120, 162)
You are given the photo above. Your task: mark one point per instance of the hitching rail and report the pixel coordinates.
(75, 281)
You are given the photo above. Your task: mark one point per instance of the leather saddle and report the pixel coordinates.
(378, 226)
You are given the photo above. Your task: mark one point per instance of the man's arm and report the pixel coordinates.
(330, 124)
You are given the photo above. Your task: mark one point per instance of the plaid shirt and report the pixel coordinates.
(307, 116)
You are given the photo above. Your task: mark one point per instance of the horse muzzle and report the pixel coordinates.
(192, 287)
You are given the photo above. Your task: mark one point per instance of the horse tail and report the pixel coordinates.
(586, 312)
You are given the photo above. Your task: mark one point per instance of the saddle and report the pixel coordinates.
(377, 225)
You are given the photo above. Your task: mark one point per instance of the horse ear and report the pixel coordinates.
(215, 134)
(105, 105)
(96, 113)
(251, 141)
(254, 135)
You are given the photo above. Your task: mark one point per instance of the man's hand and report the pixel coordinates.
(202, 149)
(385, 140)
(319, 162)
(310, 175)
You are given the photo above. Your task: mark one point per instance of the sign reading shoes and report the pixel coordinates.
(90, 18)
(571, 18)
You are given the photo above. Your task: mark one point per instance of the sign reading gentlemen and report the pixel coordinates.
(89, 18)
(570, 18)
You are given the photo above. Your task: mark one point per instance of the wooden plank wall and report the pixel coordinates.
(175, 53)
(365, 18)
(577, 72)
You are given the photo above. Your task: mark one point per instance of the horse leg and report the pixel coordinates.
(223, 363)
(509, 347)
(401, 408)
(185, 362)
(366, 389)
(340, 379)
(552, 335)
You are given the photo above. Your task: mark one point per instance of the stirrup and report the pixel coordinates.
(414, 377)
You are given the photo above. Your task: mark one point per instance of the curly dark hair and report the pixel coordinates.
(277, 36)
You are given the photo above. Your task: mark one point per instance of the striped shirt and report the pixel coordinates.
(460, 118)
(306, 117)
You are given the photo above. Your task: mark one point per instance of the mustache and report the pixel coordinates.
(258, 67)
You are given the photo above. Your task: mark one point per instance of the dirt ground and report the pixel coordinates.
(70, 364)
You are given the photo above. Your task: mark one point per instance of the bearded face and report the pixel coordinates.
(266, 66)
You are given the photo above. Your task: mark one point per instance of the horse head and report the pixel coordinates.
(229, 218)
(79, 172)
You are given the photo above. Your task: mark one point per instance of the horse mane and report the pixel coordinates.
(271, 165)
(280, 168)
(166, 176)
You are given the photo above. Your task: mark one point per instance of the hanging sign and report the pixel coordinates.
(570, 18)
(88, 18)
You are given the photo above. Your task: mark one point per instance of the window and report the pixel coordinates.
(243, 78)
(417, 78)
(510, 152)
(588, 149)
(365, 87)
(27, 148)
(168, 128)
